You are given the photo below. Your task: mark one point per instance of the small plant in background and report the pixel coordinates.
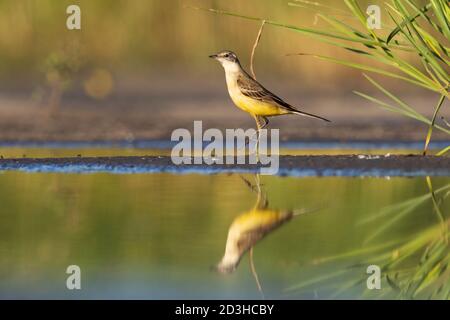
(418, 32)
(60, 68)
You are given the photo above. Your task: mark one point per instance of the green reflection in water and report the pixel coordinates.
(158, 235)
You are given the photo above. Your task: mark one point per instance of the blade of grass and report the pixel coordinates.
(316, 280)
(370, 69)
(357, 12)
(317, 34)
(394, 98)
(388, 107)
(399, 206)
(391, 222)
(433, 121)
(436, 206)
(441, 17)
(414, 71)
(424, 15)
(391, 108)
(421, 45)
(443, 151)
(394, 32)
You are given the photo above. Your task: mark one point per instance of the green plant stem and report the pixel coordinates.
(433, 121)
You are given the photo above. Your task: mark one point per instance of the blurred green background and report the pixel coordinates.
(140, 69)
(164, 36)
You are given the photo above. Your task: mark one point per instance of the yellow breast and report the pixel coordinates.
(250, 105)
(256, 107)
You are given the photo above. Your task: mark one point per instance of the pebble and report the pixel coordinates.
(368, 157)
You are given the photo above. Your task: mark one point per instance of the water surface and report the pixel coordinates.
(164, 236)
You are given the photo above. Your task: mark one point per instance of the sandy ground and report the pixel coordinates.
(153, 109)
(288, 165)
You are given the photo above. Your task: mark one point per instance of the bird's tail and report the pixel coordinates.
(305, 114)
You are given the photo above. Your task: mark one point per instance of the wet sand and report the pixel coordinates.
(357, 165)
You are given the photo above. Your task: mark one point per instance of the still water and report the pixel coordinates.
(222, 236)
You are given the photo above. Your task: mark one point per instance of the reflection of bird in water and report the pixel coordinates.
(246, 230)
(250, 227)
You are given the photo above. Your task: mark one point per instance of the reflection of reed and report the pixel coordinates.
(415, 268)
(249, 228)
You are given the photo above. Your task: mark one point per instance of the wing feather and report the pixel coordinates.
(253, 89)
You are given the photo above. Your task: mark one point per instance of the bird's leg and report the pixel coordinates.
(261, 123)
(257, 137)
(258, 120)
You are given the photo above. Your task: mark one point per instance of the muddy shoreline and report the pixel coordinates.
(345, 165)
(154, 112)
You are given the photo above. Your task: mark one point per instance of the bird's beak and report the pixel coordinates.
(213, 56)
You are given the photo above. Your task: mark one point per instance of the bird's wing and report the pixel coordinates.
(251, 88)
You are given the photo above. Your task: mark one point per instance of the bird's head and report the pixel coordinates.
(227, 59)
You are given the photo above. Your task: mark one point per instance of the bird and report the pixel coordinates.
(250, 96)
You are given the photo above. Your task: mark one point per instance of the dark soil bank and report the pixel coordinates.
(354, 165)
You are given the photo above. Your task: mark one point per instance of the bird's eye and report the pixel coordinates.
(227, 55)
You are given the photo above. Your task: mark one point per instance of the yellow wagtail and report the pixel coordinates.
(250, 96)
